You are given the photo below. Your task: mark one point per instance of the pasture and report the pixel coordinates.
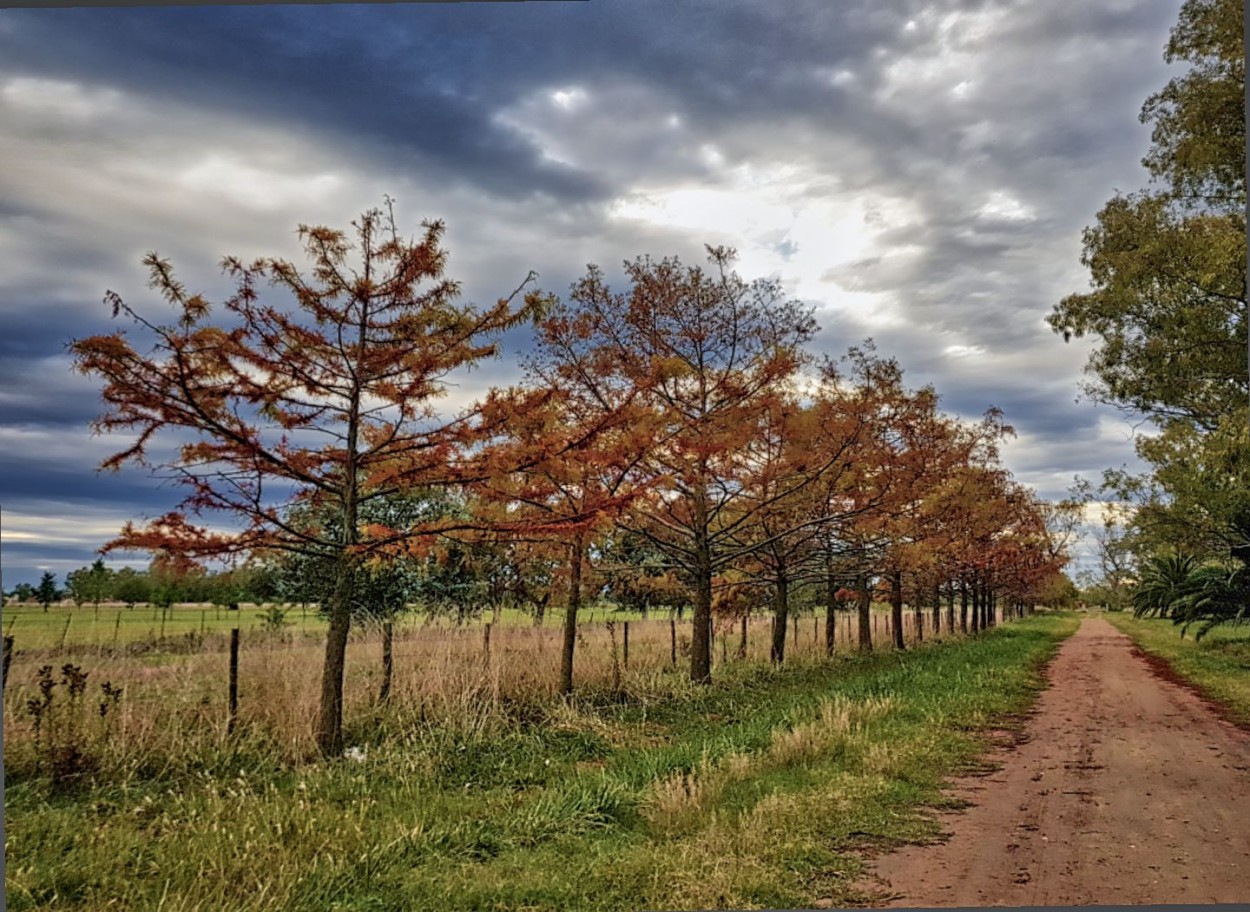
(474, 786)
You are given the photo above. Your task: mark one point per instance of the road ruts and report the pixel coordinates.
(1125, 789)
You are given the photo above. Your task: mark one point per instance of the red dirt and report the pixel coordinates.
(1123, 788)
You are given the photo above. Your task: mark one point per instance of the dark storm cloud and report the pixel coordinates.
(980, 137)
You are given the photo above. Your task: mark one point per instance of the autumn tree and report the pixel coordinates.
(323, 395)
(710, 351)
(798, 468)
(558, 505)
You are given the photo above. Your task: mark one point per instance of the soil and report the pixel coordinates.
(1123, 787)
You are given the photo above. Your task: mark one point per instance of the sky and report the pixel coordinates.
(918, 172)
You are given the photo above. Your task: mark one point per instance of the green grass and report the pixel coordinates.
(758, 791)
(1218, 665)
(115, 624)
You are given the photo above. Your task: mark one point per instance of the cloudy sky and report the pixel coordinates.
(919, 172)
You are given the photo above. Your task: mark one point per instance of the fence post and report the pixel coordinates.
(388, 660)
(8, 657)
(616, 668)
(65, 632)
(672, 631)
(117, 626)
(486, 643)
(203, 620)
(234, 680)
(626, 653)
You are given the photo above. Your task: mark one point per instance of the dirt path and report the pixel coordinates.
(1125, 789)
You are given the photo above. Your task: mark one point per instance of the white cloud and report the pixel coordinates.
(1005, 208)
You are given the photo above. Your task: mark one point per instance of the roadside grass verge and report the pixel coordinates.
(758, 791)
(1217, 666)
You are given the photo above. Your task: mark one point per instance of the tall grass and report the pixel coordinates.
(173, 713)
(476, 787)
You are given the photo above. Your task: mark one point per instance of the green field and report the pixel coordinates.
(115, 624)
(1218, 665)
(759, 791)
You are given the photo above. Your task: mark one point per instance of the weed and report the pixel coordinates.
(59, 723)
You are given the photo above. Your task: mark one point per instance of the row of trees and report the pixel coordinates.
(1168, 305)
(674, 442)
(159, 585)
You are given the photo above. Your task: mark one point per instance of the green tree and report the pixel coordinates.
(132, 587)
(47, 592)
(1168, 301)
(1168, 264)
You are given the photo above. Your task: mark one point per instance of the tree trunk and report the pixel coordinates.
(950, 608)
(976, 605)
(701, 640)
(576, 552)
(864, 607)
(963, 605)
(896, 607)
(742, 646)
(831, 606)
(781, 613)
(329, 730)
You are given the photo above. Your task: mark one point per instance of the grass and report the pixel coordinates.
(760, 791)
(1218, 665)
(112, 624)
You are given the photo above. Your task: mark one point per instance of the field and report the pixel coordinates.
(475, 787)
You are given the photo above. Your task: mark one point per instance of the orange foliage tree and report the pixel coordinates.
(710, 353)
(324, 396)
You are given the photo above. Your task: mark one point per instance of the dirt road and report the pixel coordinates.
(1125, 789)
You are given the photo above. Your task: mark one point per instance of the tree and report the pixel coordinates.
(47, 592)
(132, 587)
(795, 487)
(324, 399)
(1168, 300)
(567, 498)
(710, 351)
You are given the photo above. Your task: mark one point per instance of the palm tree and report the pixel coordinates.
(1163, 580)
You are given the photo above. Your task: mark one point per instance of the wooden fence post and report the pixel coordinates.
(8, 657)
(234, 680)
(486, 643)
(388, 660)
(626, 656)
(616, 667)
(65, 632)
(672, 632)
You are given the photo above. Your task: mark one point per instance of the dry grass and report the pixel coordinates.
(173, 708)
(682, 802)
